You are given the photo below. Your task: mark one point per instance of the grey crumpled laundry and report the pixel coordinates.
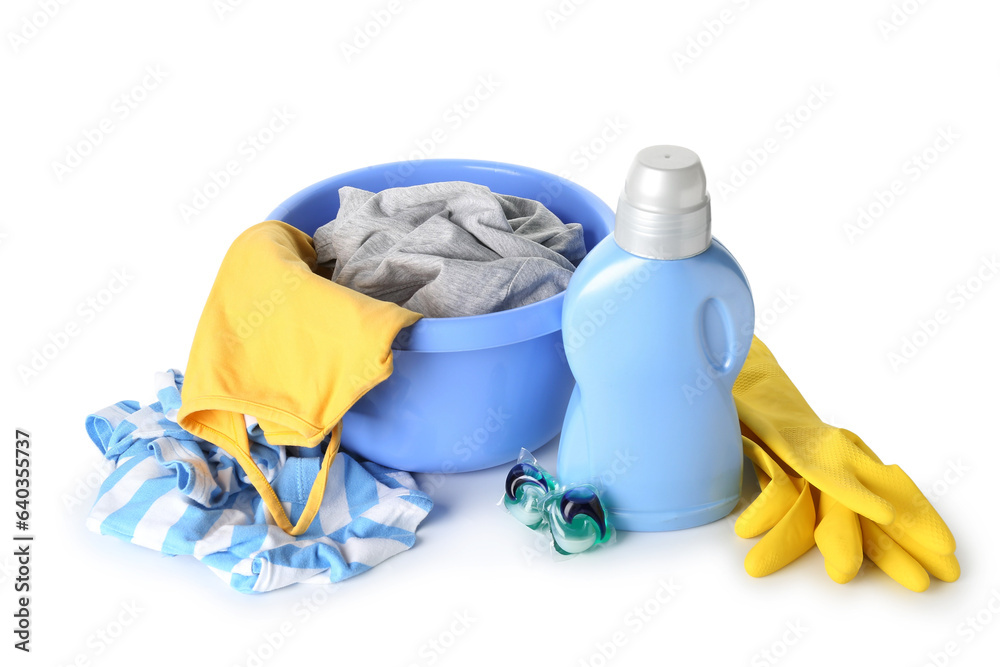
(449, 249)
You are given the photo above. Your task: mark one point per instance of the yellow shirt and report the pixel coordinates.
(287, 346)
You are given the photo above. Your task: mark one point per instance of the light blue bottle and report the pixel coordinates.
(657, 322)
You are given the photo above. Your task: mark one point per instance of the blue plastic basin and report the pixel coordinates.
(466, 393)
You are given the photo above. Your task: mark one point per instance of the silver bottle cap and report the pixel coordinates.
(664, 210)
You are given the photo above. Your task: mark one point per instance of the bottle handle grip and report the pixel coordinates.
(726, 330)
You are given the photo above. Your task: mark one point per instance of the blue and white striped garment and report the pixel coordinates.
(182, 495)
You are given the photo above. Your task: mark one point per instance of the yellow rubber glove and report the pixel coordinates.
(856, 492)
(783, 509)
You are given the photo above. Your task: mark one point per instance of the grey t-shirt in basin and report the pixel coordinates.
(449, 249)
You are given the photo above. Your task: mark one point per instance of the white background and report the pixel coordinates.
(577, 93)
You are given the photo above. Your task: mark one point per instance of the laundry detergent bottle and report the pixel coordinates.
(657, 322)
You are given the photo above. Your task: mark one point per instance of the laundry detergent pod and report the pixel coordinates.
(578, 520)
(525, 489)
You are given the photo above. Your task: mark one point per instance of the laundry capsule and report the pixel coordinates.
(657, 322)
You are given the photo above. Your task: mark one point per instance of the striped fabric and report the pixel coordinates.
(182, 495)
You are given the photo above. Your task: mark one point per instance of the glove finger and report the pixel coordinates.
(892, 558)
(776, 498)
(942, 566)
(789, 539)
(915, 519)
(838, 536)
